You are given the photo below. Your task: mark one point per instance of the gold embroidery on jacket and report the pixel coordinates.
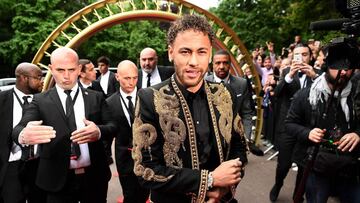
(239, 128)
(223, 103)
(173, 128)
(144, 135)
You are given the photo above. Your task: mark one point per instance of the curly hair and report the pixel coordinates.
(189, 22)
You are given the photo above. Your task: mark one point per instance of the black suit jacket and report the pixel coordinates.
(55, 155)
(240, 88)
(123, 132)
(95, 85)
(284, 93)
(164, 71)
(6, 127)
(113, 84)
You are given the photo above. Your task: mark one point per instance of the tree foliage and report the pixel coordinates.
(258, 21)
(25, 24)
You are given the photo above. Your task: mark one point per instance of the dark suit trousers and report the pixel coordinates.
(12, 188)
(81, 187)
(132, 191)
(19, 183)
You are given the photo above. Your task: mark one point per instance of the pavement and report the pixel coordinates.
(254, 188)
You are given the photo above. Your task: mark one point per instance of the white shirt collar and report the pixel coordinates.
(217, 79)
(20, 94)
(132, 94)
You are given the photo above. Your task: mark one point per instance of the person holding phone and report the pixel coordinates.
(298, 75)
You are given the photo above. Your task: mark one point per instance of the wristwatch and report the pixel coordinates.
(210, 181)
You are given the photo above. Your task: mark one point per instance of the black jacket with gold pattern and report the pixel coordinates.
(164, 140)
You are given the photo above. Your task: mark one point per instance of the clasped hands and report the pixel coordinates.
(226, 175)
(36, 133)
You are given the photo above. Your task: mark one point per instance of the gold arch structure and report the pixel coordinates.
(106, 13)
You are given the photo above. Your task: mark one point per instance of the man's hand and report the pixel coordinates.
(35, 133)
(227, 174)
(316, 135)
(348, 142)
(216, 194)
(308, 70)
(89, 133)
(294, 68)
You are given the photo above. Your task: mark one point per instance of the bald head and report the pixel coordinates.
(28, 78)
(65, 67)
(63, 53)
(148, 60)
(127, 75)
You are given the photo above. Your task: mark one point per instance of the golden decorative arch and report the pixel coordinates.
(106, 13)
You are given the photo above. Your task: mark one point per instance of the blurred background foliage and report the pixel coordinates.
(25, 24)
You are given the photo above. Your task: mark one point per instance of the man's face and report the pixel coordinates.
(35, 82)
(191, 52)
(103, 67)
(90, 72)
(65, 71)
(345, 76)
(221, 66)
(148, 60)
(127, 79)
(297, 38)
(304, 52)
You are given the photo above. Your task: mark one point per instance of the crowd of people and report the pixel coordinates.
(181, 133)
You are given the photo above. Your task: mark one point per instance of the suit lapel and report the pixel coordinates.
(85, 95)
(55, 97)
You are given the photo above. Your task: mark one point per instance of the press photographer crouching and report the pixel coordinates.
(322, 118)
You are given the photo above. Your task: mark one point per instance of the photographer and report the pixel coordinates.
(322, 116)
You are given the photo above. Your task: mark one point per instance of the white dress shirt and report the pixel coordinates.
(79, 110)
(154, 79)
(15, 152)
(217, 79)
(126, 106)
(104, 81)
(302, 80)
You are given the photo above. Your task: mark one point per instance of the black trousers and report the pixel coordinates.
(132, 191)
(83, 188)
(19, 183)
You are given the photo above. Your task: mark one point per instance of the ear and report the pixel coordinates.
(170, 53)
(117, 77)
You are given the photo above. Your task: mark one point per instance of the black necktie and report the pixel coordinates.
(148, 81)
(300, 74)
(70, 115)
(29, 152)
(131, 109)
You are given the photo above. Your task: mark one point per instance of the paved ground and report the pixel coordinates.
(254, 188)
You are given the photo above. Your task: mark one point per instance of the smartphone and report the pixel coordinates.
(298, 57)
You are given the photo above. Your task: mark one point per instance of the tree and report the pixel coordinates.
(257, 21)
(31, 21)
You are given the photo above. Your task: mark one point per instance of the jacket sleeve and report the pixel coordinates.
(297, 122)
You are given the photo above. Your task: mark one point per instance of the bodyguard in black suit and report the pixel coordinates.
(17, 168)
(121, 106)
(150, 73)
(67, 125)
(299, 75)
(87, 78)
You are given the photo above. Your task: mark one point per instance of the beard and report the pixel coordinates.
(340, 83)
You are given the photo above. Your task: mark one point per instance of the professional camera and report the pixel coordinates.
(343, 52)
